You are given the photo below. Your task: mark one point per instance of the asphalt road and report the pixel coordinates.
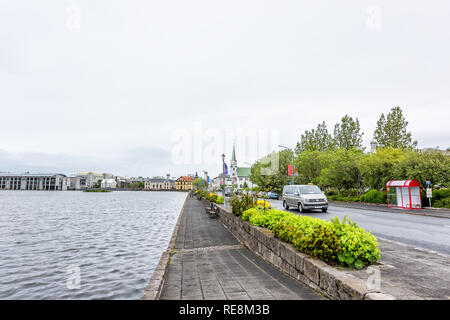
(429, 233)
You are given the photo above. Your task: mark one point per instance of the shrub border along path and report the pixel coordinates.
(330, 281)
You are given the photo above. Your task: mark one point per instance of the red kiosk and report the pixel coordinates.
(403, 194)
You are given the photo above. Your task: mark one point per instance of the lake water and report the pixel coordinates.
(81, 245)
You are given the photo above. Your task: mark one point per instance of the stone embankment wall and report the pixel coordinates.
(328, 280)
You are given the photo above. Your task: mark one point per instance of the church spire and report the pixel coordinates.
(233, 157)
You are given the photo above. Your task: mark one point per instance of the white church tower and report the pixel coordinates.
(233, 167)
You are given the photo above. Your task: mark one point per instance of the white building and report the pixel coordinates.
(91, 178)
(108, 183)
(28, 181)
(160, 183)
(239, 176)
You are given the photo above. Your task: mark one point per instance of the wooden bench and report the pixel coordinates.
(212, 211)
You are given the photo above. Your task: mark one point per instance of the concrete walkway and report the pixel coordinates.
(209, 263)
(434, 212)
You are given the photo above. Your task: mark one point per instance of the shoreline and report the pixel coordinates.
(153, 289)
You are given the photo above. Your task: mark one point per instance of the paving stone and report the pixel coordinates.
(221, 272)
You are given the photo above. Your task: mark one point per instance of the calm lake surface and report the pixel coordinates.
(81, 245)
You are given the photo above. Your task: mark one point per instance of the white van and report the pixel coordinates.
(304, 197)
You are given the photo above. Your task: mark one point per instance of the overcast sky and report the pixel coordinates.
(108, 91)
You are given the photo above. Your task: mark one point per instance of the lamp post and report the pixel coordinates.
(223, 180)
(292, 161)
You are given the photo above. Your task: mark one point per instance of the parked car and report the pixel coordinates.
(227, 192)
(304, 197)
(262, 194)
(272, 195)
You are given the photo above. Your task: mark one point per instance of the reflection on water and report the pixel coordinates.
(80, 245)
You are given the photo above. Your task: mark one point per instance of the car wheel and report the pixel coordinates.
(285, 205)
(324, 209)
(300, 207)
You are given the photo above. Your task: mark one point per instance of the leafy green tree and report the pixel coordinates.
(391, 131)
(430, 165)
(98, 184)
(310, 164)
(342, 171)
(317, 139)
(347, 134)
(378, 168)
(276, 180)
(199, 183)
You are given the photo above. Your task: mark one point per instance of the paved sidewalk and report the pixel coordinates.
(410, 273)
(434, 212)
(209, 263)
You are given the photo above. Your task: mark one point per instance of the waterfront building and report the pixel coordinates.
(122, 182)
(160, 183)
(76, 183)
(107, 175)
(239, 176)
(91, 178)
(221, 179)
(108, 183)
(28, 181)
(184, 183)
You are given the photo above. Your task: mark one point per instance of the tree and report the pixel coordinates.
(275, 180)
(310, 164)
(199, 183)
(98, 184)
(317, 139)
(430, 165)
(342, 171)
(347, 134)
(391, 131)
(378, 168)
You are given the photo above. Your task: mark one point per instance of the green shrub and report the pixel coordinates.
(219, 200)
(340, 242)
(322, 242)
(373, 196)
(359, 247)
(330, 192)
(441, 194)
(240, 204)
(441, 199)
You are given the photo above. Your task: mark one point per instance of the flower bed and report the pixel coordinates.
(212, 197)
(340, 242)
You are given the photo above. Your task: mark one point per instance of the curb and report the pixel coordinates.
(153, 289)
(329, 281)
(435, 212)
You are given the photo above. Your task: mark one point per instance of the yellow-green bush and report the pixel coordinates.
(341, 242)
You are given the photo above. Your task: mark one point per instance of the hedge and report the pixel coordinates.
(441, 197)
(213, 197)
(373, 196)
(340, 242)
